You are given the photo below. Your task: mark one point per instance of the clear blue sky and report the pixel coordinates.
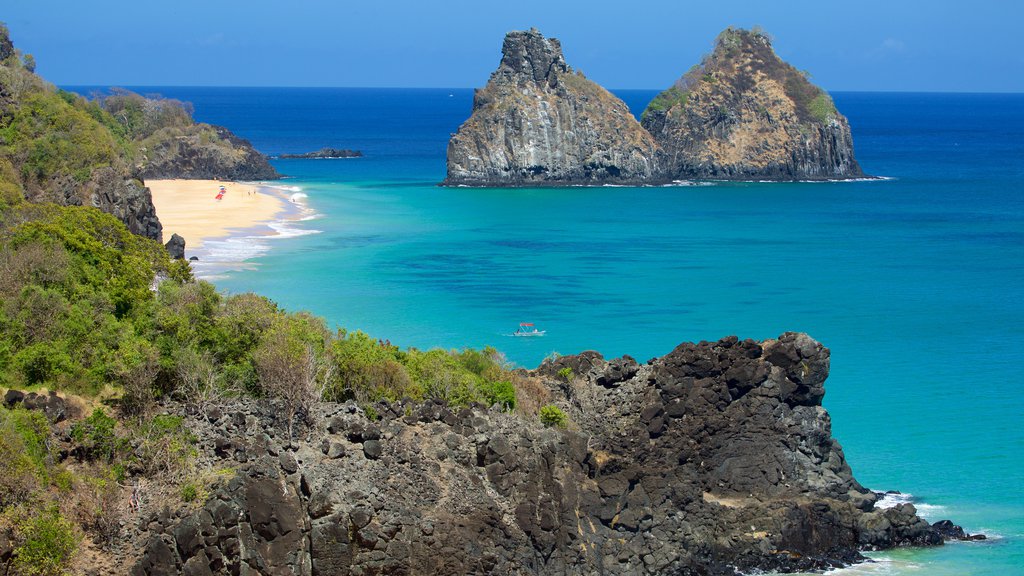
(902, 45)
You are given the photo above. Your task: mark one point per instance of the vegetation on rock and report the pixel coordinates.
(743, 113)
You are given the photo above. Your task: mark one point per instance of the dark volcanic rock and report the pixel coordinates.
(745, 114)
(176, 247)
(326, 153)
(537, 122)
(202, 151)
(713, 459)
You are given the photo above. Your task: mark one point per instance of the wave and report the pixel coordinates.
(284, 230)
(893, 499)
(876, 566)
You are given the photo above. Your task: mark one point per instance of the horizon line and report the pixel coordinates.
(309, 87)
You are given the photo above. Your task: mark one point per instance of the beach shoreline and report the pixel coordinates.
(197, 211)
(224, 230)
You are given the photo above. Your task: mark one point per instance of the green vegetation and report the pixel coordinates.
(553, 416)
(565, 373)
(89, 309)
(821, 108)
(667, 100)
(47, 544)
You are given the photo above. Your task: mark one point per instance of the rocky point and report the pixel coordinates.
(715, 458)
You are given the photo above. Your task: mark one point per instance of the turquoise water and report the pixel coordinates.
(914, 282)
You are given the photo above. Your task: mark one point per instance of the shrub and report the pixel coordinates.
(47, 544)
(552, 415)
(189, 492)
(565, 373)
(166, 447)
(500, 393)
(23, 454)
(96, 436)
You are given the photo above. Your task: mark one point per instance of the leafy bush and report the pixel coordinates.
(23, 452)
(189, 492)
(96, 436)
(565, 373)
(501, 393)
(47, 544)
(552, 415)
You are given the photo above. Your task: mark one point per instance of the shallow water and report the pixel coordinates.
(913, 282)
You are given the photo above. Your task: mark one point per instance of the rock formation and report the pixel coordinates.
(202, 151)
(715, 458)
(176, 247)
(744, 114)
(327, 153)
(537, 122)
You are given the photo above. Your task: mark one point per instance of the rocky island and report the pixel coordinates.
(327, 153)
(744, 114)
(539, 123)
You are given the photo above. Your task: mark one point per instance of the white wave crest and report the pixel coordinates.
(283, 229)
(893, 499)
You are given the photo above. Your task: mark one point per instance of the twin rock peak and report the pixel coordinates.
(741, 114)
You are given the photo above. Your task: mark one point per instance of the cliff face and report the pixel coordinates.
(714, 458)
(743, 114)
(202, 151)
(537, 122)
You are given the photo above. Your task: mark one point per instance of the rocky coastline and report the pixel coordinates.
(716, 458)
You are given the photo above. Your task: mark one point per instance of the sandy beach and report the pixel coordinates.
(190, 208)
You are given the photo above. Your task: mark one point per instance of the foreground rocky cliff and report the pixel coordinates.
(537, 122)
(744, 114)
(715, 458)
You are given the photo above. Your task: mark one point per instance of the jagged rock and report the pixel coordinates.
(202, 151)
(53, 406)
(537, 122)
(713, 459)
(744, 114)
(326, 153)
(176, 247)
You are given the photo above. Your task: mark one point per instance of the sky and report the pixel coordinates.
(852, 45)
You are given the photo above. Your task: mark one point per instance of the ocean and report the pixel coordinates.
(914, 281)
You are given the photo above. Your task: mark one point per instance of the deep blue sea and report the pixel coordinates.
(916, 282)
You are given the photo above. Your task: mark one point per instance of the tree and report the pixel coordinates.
(292, 364)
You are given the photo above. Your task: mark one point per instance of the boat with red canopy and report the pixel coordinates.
(528, 329)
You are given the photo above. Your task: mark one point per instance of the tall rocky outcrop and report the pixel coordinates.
(745, 114)
(537, 122)
(713, 459)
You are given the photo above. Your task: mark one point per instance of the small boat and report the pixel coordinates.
(528, 329)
